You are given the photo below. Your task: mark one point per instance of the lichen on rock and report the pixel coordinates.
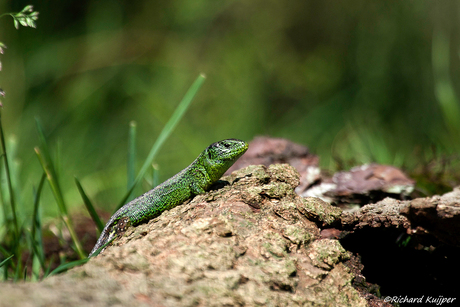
(253, 242)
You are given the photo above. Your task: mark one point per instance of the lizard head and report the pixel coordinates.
(221, 155)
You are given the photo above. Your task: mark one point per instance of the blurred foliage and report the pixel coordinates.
(356, 81)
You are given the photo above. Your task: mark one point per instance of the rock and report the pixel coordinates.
(431, 220)
(415, 243)
(267, 151)
(383, 214)
(362, 185)
(358, 186)
(437, 216)
(254, 242)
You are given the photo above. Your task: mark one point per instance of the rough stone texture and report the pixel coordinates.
(267, 151)
(250, 243)
(373, 177)
(383, 214)
(370, 292)
(409, 248)
(432, 219)
(359, 186)
(362, 185)
(438, 216)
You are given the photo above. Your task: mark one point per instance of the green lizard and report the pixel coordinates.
(195, 179)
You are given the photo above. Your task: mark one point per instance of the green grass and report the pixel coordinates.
(21, 239)
(49, 167)
(164, 134)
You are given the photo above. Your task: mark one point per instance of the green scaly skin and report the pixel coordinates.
(195, 179)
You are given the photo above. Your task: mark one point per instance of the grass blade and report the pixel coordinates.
(5, 270)
(131, 153)
(8, 177)
(100, 249)
(38, 257)
(443, 86)
(46, 162)
(4, 261)
(24, 274)
(89, 206)
(3, 250)
(36, 222)
(17, 271)
(49, 168)
(38, 250)
(68, 266)
(164, 134)
(155, 175)
(48, 269)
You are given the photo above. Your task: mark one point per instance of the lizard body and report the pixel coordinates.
(195, 179)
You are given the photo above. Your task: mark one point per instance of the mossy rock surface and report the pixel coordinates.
(253, 242)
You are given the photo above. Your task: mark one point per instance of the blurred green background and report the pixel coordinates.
(357, 80)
